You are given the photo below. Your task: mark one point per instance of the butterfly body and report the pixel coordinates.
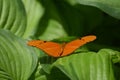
(58, 50)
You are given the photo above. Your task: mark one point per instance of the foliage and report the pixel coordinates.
(59, 21)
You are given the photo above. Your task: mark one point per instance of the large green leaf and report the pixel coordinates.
(17, 60)
(34, 11)
(51, 24)
(87, 66)
(13, 16)
(53, 30)
(79, 19)
(112, 7)
(61, 19)
(39, 74)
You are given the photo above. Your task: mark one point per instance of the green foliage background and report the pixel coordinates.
(59, 20)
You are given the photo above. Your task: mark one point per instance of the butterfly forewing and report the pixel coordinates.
(51, 48)
(71, 46)
(35, 42)
(75, 44)
(88, 38)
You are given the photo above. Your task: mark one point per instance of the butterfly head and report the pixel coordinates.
(35, 42)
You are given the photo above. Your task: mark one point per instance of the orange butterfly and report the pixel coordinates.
(58, 50)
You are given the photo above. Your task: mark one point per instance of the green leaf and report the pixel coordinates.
(72, 18)
(56, 74)
(39, 74)
(115, 55)
(12, 16)
(62, 19)
(34, 10)
(78, 19)
(87, 66)
(51, 25)
(112, 7)
(17, 60)
(53, 31)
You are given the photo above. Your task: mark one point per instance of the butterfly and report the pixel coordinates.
(58, 50)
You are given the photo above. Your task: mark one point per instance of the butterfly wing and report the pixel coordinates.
(55, 49)
(35, 43)
(50, 48)
(73, 45)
